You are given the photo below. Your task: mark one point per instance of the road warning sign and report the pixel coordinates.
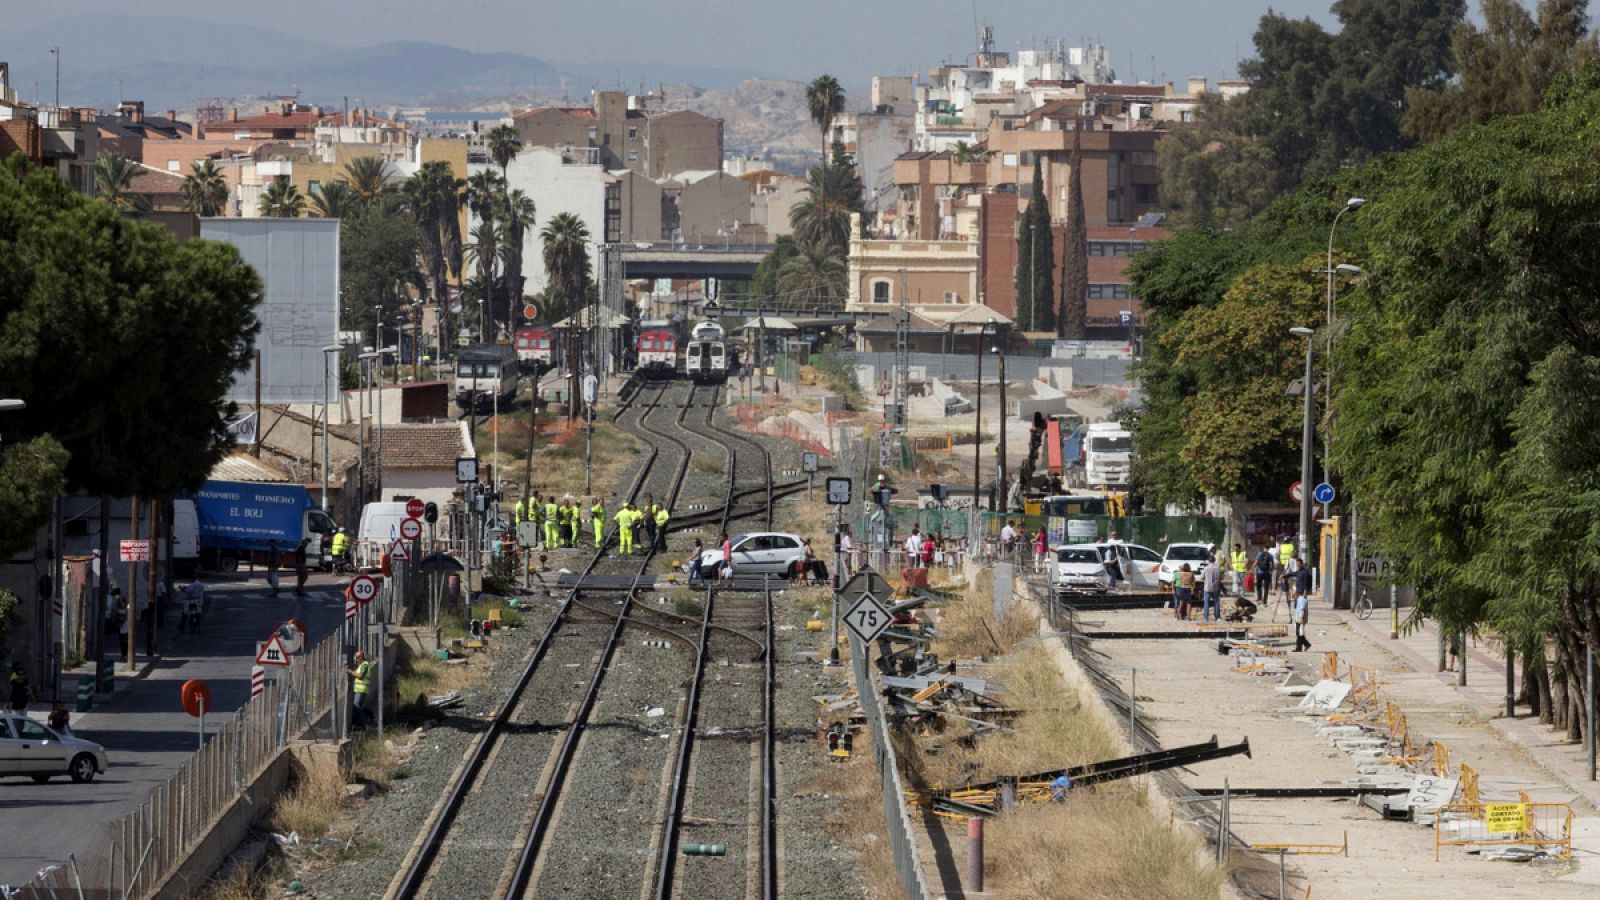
(273, 653)
(1505, 818)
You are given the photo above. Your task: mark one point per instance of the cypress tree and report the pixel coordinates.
(1074, 251)
(1035, 261)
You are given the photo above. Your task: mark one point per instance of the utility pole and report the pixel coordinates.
(255, 445)
(1004, 486)
(902, 357)
(132, 613)
(56, 52)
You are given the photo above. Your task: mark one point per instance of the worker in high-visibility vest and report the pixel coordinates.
(361, 685)
(1285, 553)
(662, 517)
(341, 545)
(521, 512)
(597, 517)
(625, 518)
(648, 517)
(1239, 562)
(551, 513)
(569, 523)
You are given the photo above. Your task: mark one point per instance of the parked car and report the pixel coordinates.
(34, 749)
(773, 552)
(1178, 554)
(1081, 566)
(1140, 565)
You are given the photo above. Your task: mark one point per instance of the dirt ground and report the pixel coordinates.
(1191, 693)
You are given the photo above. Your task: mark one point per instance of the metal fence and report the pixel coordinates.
(1544, 827)
(902, 834)
(144, 848)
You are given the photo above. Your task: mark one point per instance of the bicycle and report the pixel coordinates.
(1362, 606)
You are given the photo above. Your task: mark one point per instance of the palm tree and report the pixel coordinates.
(816, 274)
(113, 180)
(566, 257)
(433, 196)
(824, 101)
(335, 200)
(504, 145)
(484, 190)
(205, 193)
(516, 217)
(369, 179)
(282, 200)
(832, 194)
(485, 250)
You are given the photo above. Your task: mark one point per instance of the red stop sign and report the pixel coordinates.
(415, 508)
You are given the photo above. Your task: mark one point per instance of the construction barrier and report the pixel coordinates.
(1539, 826)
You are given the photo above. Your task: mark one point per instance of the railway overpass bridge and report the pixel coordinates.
(667, 260)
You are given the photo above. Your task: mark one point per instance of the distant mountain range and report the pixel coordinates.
(171, 62)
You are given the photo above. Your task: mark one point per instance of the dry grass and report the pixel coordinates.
(856, 816)
(967, 629)
(424, 675)
(312, 804)
(376, 761)
(1103, 842)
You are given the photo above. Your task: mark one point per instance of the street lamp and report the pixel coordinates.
(1002, 486)
(977, 422)
(1350, 205)
(327, 418)
(1305, 449)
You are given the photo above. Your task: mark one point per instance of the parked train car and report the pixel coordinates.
(485, 372)
(705, 356)
(535, 348)
(657, 346)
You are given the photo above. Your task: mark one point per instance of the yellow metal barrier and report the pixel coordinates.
(1340, 849)
(1469, 784)
(1537, 825)
(1441, 759)
(1330, 665)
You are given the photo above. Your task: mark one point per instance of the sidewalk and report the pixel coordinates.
(1484, 692)
(143, 727)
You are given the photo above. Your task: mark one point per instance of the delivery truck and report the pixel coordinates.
(241, 521)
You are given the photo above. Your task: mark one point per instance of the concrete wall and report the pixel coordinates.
(551, 128)
(248, 808)
(641, 208)
(712, 207)
(430, 485)
(880, 139)
(683, 141)
(556, 188)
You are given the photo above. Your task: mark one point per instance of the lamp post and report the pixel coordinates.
(1305, 450)
(366, 391)
(1002, 486)
(327, 418)
(977, 424)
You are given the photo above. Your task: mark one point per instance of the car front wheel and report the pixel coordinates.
(82, 769)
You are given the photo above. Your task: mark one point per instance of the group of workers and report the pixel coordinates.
(561, 522)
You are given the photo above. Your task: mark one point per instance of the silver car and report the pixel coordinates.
(34, 749)
(775, 552)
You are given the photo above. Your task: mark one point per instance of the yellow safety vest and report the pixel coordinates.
(522, 511)
(550, 512)
(598, 511)
(1238, 560)
(662, 517)
(1285, 553)
(339, 542)
(363, 676)
(625, 518)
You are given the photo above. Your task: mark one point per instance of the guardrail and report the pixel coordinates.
(902, 840)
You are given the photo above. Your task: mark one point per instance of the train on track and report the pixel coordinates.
(486, 374)
(535, 348)
(657, 348)
(706, 355)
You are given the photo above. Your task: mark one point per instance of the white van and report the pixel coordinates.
(380, 527)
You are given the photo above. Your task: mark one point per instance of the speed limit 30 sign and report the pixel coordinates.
(363, 589)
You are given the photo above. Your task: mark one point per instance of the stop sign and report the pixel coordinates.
(415, 508)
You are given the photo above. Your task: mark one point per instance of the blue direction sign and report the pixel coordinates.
(1324, 493)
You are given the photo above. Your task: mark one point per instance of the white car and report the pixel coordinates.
(772, 552)
(1081, 566)
(1139, 564)
(34, 749)
(1178, 554)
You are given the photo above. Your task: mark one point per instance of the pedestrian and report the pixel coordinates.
(520, 512)
(662, 518)
(1109, 558)
(1286, 577)
(124, 622)
(60, 720)
(273, 561)
(1302, 605)
(361, 688)
(929, 546)
(1008, 539)
(1041, 547)
(552, 540)
(21, 690)
(194, 598)
(846, 552)
(650, 521)
(1263, 575)
(597, 518)
(726, 569)
(913, 547)
(1238, 563)
(1183, 593)
(624, 521)
(694, 561)
(1211, 592)
(300, 571)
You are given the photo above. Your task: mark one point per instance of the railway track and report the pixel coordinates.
(563, 795)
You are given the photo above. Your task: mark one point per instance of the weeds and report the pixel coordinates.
(310, 806)
(966, 627)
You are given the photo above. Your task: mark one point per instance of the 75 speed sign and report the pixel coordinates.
(867, 618)
(363, 589)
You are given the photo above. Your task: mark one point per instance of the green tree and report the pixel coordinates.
(282, 200)
(113, 180)
(1035, 276)
(433, 197)
(815, 278)
(91, 300)
(204, 191)
(1213, 173)
(824, 103)
(1074, 251)
(378, 253)
(566, 259)
(762, 288)
(369, 179)
(1506, 67)
(485, 250)
(517, 213)
(335, 200)
(504, 145)
(823, 216)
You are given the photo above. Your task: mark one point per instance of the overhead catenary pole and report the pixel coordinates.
(255, 443)
(150, 630)
(1309, 390)
(1003, 486)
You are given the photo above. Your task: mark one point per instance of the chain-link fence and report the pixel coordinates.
(902, 835)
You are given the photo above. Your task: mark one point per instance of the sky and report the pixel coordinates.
(853, 39)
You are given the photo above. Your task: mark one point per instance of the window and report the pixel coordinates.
(1108, 292)
(880, 292)
(1143, 554)
(952, 297)
(594, 132)
(1026, 158)
(29, 730)
(172, 165)
(1077, 555)
(1144, 157)
(633, 132)
(1144, 193)
(313, 187)
(1097, 248)
(1010, 159)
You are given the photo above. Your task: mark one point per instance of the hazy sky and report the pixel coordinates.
(854, 39)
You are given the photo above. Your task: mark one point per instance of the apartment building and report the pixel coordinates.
(621, 131)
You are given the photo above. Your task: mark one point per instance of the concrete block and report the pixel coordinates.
(832, 403)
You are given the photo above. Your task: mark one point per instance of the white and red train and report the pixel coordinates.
(657, 345)
(535, 347)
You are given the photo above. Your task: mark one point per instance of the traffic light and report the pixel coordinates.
(940, 492)
(882, 495)
(430, 513)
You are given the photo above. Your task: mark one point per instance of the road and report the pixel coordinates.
(144, 730)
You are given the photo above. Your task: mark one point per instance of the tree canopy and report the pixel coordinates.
(122, 341)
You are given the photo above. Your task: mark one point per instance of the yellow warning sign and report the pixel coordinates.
(1505, 818)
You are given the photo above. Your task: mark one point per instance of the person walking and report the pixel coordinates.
(847, 553)
(274, 560)
(520, 511)
(1263, 575)
(1302, 605)
(1183, 593)
(341, 546)
(300, 570)
(1041, 547)
(1238, 562)
(1109, 559)
(913, 547)
(60, 720)
(1008, 540)
(1211, 591)
(21, 690)
(694, 561)
(726, 569)
(194, 600)
(361, 689)
(597, 517)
